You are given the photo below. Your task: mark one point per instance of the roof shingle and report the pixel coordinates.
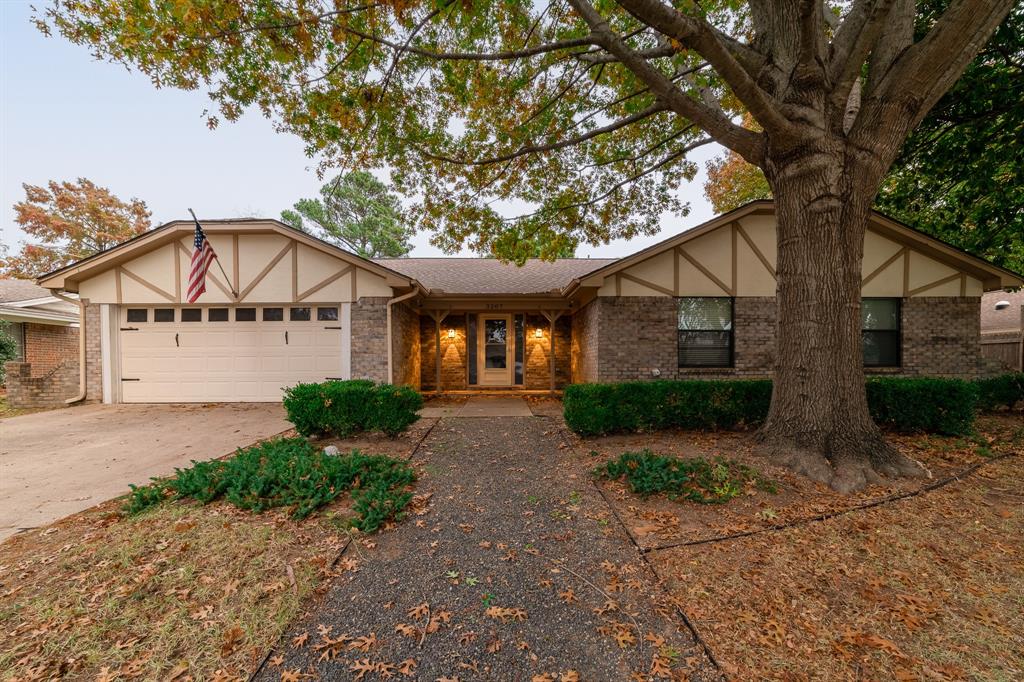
(491, 276)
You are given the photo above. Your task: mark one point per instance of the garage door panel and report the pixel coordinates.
(225, 360)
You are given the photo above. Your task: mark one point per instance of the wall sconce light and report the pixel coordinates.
(538, 333)
(451, 333)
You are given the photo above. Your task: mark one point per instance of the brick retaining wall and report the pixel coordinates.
(49, 389)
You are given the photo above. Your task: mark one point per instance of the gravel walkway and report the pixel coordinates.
(517, 570)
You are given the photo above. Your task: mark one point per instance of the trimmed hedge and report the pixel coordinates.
(342, 408)
(1001, 391)
(904, 404)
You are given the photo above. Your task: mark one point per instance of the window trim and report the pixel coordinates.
(731, 331)
(898, 332)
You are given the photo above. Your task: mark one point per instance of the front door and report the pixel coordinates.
(494, 351)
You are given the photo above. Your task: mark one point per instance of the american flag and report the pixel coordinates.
(202, 258)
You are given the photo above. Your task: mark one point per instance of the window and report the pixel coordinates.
(299, 315)
(327, 314)
(880, 331)
(217, 315)
(163, 315)
(705, 332)
(245, 314)
(191, 314)
(138, 315)
(273, 314)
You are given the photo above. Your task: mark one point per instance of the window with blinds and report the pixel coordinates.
(880, 331)
(705, 331)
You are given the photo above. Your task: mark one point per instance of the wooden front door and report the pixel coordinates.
(495, 350)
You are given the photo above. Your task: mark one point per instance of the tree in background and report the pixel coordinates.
(578, 118)
(358, 212)
(960, 176)
(71, 220)
(8, 348)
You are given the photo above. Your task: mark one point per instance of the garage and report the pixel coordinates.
(226, 353)
(279, 307)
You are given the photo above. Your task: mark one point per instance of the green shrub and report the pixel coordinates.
(1002, 391)
(342, 408)
(594, 409)
(931, 405)
(904, 404)
(289, 472)
(142, 497)
(695, 479)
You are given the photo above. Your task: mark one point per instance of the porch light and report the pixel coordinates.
(538, 333)
(451, 333)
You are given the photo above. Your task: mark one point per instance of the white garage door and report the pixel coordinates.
(226, 354)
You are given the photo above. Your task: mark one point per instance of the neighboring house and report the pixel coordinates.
(1002, 328)
(293, 308)
(45, 373)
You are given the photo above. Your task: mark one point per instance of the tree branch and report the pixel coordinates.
(554, 146)
(698, 35)
(744, 142)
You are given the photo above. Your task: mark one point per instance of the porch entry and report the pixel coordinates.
(495, 343)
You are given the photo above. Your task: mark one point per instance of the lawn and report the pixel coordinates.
(927, 587)
(179, 591)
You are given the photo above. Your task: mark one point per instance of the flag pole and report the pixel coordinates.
(226, 280)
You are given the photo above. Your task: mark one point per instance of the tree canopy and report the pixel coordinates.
(960, 174)
(359, 213)
(70, 221)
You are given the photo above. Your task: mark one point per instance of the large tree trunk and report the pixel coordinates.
(818, 423)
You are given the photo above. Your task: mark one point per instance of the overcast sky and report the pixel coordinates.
(64, 115)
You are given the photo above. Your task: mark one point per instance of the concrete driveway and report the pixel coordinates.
(56, 463)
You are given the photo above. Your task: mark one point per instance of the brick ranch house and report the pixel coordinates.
(291, 308)
(45, 328)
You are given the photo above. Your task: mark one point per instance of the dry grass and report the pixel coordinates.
(178, 592)
(926, 588)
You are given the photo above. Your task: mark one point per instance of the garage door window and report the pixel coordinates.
(217, 315)
(138, 315)
(273, 314)
(327, 314)
(163, 315)
(299, 315)
(245, 314)
(192, 315)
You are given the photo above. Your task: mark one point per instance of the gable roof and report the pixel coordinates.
(168, 232)
(12, 290)
(992, 276)
(466, 276)
(1007, 319)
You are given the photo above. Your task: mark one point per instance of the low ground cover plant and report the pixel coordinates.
(290, 472)
(906, 404)
(1002, 391)
(343, 408)
(696, 479)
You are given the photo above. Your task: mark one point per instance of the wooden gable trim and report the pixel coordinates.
(707, 273)
(324, 282)
(644, 283)
(266, 270)
(753, 247)
(877, 271)
(149, 285)
(938, 282)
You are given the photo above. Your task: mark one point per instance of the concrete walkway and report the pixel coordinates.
(482, 406)
(518, 570)
(60, 462)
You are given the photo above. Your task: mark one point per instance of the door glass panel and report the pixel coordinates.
(495, 341)
(217, 315)
(137, 314)
(327, 314)
(273, 314)
(519, 346)
(163, 315)
(299, 315)
(191, 314)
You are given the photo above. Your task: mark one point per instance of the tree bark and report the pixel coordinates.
(823, 197)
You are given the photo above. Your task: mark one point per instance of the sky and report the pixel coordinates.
(64, 115)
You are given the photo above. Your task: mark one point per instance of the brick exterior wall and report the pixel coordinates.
(637, 335)
(537, 357)
(28, 389)
(942, 337)
(453, 354)
(585, 343)
(369, 338)
(405, 345)
(93, 354)
(49, 345)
